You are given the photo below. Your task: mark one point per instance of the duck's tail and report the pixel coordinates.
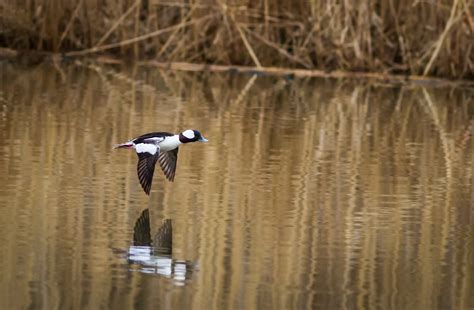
(126, 145)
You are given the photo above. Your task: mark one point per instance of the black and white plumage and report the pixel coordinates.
(162, 147)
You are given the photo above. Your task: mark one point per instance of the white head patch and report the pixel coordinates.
(188, 134)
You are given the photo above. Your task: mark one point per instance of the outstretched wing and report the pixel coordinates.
(146, 168)
(168, 161)
(141, 230)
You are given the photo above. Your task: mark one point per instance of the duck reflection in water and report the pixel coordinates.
(155, 255)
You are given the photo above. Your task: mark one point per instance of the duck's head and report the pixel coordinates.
(191, 135)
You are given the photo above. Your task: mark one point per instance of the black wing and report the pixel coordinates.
(141, 231)
(142, 138)
(145, 169)
(168, 161)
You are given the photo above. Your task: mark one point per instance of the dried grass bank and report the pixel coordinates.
(431, 38)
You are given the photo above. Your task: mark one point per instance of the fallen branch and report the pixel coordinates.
(393, 78)
(14, 55)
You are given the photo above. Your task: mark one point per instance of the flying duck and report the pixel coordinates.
(162, 147)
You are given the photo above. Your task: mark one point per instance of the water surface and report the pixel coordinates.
(310, 194)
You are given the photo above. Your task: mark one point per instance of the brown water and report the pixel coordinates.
(310, 193)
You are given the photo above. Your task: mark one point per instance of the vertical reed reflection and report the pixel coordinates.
(310, 194)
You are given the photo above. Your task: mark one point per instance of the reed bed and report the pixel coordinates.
(430, 38)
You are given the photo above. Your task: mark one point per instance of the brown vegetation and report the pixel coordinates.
(408, 37)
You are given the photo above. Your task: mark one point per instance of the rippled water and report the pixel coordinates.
(310, 193)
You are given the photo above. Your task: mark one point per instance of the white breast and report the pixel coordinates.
(170, 143)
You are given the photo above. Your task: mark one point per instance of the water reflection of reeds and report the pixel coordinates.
(310, 194)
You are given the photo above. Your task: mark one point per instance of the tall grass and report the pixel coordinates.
(403, 36)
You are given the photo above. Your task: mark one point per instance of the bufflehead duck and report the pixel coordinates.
(162, 147)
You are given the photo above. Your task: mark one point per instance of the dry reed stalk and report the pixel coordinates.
(442, 37)
(279, 49)
(137, 23)
(117, 23)
(68, 27)
(133, 40)
(241, 34)
(468, 16)
(174, 33)
(248, 46)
